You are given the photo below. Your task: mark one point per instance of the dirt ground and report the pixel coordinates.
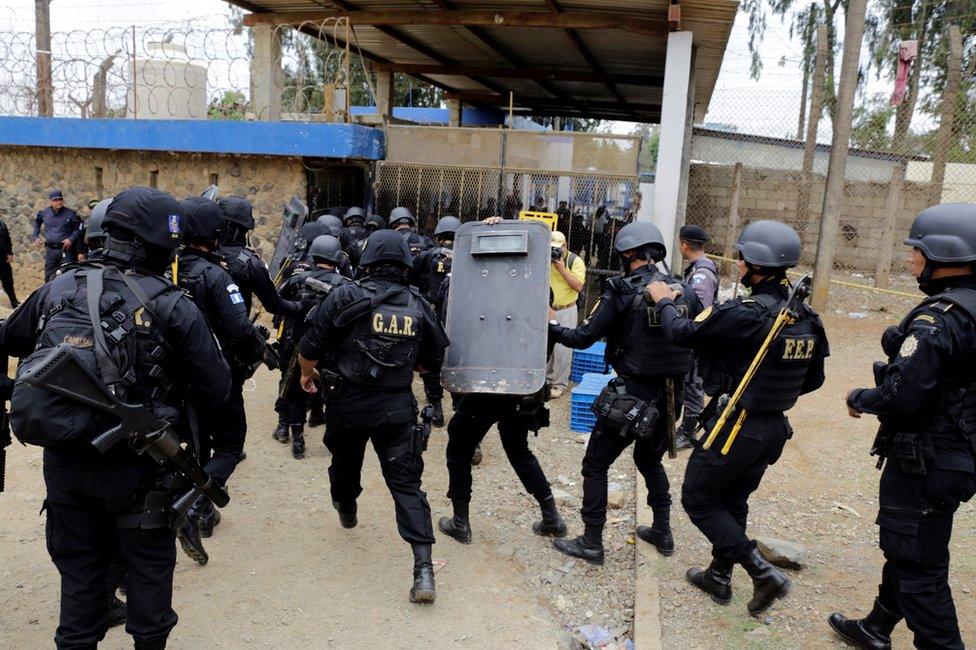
(282, 571)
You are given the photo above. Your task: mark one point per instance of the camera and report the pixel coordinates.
(557, 253)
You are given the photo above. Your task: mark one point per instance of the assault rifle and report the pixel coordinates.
(63, 373)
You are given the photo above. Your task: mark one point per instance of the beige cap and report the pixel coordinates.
(558, 239)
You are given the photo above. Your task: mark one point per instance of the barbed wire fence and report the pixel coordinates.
(178, 71)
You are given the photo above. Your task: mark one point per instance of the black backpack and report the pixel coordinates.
(99, 323)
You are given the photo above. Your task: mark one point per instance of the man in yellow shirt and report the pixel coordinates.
(566, 276)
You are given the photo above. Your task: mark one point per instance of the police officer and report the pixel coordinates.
(431, 267)
(726, 338)
(245, 266)
(403, 222)
(644, 360)
(325, 253)
(95, 502)
(197, 270)
(378, 330)
(334, 227)
(926, 400)
(702, 274)
(61, 232)
(355, 220)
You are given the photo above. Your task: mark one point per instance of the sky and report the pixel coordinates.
(768, 106)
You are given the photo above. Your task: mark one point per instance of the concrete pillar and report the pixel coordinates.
(673, 154)
(384, 92)
(454, 110)
(267, 80)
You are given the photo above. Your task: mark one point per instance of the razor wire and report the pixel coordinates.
(179, 71)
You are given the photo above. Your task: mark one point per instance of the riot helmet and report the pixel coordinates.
(354, 215)
(446, 227)
(144, 225)
(644, 238)
(769, 244)
(238, 215)
(204, 220)
(386, 246)
(946, 236)
(402, 216)
(374, 222)
(326, 248)
(95, 228)
(330, 221)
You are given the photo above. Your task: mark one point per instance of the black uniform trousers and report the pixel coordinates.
(432, 387)
(226, 427)
(355, 417)
(86, 496)
(7, 282)
(606, 446)
(54, 258)
(716, 488)
(473, 417)
(915, 519)
(292, 402)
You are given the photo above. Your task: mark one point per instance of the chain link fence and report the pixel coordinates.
(760, 153)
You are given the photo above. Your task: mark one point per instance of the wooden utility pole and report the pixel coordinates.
(42, 38)
(953, 72)
(810, 146)
(834, 191)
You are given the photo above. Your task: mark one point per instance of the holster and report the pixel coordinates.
(623, 414)
(913, 451)
(157, 512)
(421, 430)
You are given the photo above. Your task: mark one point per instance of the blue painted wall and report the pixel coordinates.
(204, 136)
(470, 116)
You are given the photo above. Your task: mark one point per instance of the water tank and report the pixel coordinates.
(165, 85)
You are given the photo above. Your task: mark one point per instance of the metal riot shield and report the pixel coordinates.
(293, 217)
(497, 308)
(212, 193)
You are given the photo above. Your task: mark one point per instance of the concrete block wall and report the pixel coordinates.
(774, 194)
(27, 173)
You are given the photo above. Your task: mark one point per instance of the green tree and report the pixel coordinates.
(230, 106)
(650, 143)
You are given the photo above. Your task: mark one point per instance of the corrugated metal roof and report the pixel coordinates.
(608, 58)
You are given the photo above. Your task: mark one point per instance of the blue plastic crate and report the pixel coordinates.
(589, 360)
(581, 418)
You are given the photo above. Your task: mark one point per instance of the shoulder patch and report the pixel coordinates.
(704, 314)
(908, 346)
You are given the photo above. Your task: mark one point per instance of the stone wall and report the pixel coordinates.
(27, 173)
(773, 194)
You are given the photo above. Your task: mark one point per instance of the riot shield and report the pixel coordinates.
(293, 218)
(497, 308)
(212, 193)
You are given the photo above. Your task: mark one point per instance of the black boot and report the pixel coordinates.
(423, 575)
(281, 433)
(298, 441)
(686, 433)
(457, 526)
(207, 517)
(716, 580)
(189, 535)
(156, 644)
(476, 459)
(438, 417)
(552, 525)
(659, 534)
(588, 546)
(347, 513)
(769, 583)
(873, 632)
(316, 416)
(116, 612)
(662, 540)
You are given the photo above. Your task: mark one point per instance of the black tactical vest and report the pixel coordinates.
(383, 342)
(779, 380)
(438, 268)
(189, 272)
(952, 409)
(638, 348)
